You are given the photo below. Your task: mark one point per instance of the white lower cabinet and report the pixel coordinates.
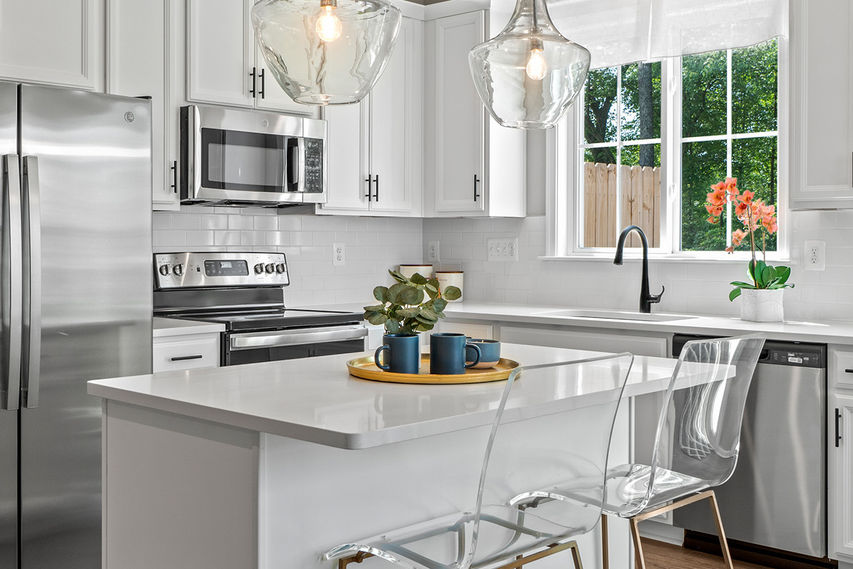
(190, 351)
(839, 443)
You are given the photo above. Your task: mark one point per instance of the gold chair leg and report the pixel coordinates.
(638, 545)
(605, 543)
(576, 556)
(721, 533)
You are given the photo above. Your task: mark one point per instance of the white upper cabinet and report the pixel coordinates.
(821, 141)
(475, 166)
(144, 51)
(223, 63)
(376, 146)
(59, 42)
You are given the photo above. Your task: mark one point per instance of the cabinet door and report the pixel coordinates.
(396, 118)
(347, 188)
(460, 122)
(220, 54)
(272, 97)
(822, 34)
(53, 41)
(138, 49)
(840, 473)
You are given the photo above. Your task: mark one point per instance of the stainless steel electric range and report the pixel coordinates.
(244, 291)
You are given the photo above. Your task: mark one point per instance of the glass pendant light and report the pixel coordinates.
(326, 52)
(529, 74)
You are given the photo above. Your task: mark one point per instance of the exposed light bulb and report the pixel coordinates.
(328, 24)
(536, 67)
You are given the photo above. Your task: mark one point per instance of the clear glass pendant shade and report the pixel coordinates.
(326, 52)
(529, 74)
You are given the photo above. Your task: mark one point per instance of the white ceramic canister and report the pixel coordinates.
(451, 278)
(423, 270)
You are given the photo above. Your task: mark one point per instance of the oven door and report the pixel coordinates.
(253, 347)
(242, 157)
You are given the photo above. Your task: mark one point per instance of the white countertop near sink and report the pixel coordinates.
(316, 400)
(165, 327)
(819, 332)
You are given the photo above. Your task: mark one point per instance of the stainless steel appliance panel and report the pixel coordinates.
(9, 362)
(776, 497)
(87, 176)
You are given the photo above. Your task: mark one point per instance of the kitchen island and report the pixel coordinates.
(267, 465)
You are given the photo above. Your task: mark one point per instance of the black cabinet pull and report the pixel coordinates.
(376, 195)
(476, 184)
(837, 428)
(848, 370)
(263, 82)
(254, 77)
(174, 169)
(184, 358)
(369, 181)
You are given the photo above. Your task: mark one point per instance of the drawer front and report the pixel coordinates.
(841, 368)
(186, 352)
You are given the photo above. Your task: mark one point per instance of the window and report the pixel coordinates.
(651, 138)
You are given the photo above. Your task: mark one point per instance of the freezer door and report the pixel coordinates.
(9, 360)
(86, 170)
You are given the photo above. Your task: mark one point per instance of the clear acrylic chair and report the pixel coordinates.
(543, 450)
(697, 441)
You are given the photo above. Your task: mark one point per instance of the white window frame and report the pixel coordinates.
(565, 208)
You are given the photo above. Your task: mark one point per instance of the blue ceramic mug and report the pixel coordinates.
(403, 353)
(447, 354)
(490, 352)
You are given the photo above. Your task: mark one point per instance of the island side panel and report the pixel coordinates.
(178, 493)
(313, 497)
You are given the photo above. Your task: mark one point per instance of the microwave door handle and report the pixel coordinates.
(32, 288)
(12, 312)
(300, 164)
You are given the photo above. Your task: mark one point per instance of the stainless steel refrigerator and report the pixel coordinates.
(76, 305)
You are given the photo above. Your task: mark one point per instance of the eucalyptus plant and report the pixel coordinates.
(410, 305)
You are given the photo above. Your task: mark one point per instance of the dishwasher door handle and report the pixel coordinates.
(837, 428)
(296, 337)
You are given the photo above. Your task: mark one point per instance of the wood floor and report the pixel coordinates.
(665, 556)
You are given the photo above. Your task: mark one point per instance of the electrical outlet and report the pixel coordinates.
(814, 253)
(433, 252)
(339, 257)
(503, 249)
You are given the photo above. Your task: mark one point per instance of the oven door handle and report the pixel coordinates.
(302, 337)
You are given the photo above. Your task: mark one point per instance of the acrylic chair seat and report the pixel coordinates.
(628, 488)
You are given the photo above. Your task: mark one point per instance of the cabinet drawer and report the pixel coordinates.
(841, 368)
(186, 352)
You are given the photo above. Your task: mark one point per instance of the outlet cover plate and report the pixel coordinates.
(814, 255)
(339, 254)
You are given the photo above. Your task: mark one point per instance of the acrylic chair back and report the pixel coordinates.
(698, 433)
(546, 448)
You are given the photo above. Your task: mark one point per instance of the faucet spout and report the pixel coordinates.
(646, 298)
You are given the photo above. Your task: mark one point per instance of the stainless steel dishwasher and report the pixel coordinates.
(777, 495)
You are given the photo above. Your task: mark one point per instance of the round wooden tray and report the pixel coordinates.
(365, 368)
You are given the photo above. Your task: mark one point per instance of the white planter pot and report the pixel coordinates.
(762, 305)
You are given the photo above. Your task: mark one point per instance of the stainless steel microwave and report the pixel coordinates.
(235, 157)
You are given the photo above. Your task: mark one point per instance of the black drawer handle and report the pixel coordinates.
(184, 358)
(848, 370)
(837, 428)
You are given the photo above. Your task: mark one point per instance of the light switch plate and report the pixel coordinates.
(433, 252)
(503, 249)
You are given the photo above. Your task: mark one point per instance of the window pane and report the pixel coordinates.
(599, 201)
(641, 195)
(703, 80)
(755, 164)
(600, 105)
(641, 101)
(702, 164)
(754, 86)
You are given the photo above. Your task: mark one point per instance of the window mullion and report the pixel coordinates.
(618, 150)
(728, 142)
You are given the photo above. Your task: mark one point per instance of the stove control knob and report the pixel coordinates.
(259, 268)
(178, 270)
(164, 270)
(280, 268)
(269, 267)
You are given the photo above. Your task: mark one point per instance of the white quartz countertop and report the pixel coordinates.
(316, 400)
(818, 332)
(165, 327)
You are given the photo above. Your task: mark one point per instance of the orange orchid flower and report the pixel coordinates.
(746, 196)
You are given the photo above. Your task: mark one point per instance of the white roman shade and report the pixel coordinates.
(624, 31)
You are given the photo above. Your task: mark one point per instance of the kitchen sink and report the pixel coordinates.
(614, 315)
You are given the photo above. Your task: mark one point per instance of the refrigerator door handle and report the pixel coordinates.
(32, 288)
(11, 388)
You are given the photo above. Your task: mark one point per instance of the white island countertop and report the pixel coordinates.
(316, 400)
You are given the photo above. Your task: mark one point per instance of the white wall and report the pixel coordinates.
(373, 245)
(690, 287)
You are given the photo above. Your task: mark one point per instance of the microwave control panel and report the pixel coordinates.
(314, 165)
